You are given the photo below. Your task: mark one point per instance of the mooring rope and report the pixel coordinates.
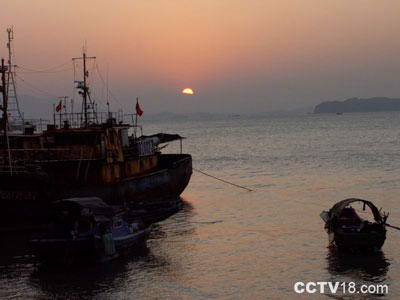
(239, 186)
(391, 226)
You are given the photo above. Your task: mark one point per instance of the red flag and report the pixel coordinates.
(59, 107)
(139, 111)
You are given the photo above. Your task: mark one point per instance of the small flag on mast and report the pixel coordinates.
(139, 111)
(59, 106)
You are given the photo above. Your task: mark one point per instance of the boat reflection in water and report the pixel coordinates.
(371, 267)
(88, 229)
(133, 273)
(86, 280)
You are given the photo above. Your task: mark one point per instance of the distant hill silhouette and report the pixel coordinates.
(359, 105)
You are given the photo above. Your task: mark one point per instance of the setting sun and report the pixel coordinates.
(188, 91)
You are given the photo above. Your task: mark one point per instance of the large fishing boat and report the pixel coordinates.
(85, 154)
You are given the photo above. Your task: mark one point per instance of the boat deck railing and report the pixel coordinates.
(20, 126)
(79, 120)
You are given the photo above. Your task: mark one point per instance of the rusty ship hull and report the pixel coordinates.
(26, 197)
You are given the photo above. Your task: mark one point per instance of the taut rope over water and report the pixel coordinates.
(391, 226)
(239, 186)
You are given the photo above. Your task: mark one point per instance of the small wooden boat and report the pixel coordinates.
(347, 230)
(87, 229)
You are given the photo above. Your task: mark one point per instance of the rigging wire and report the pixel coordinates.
(99, 99)
(35, 88)
(57, 69)
(47, 70)
(108, 90)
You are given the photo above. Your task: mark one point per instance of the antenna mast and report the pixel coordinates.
(84, 89)
(13, 106)
(3, 89)
(4, 106)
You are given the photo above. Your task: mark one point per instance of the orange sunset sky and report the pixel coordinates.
(239, 56)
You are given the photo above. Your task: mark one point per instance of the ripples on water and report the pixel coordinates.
(231, 244)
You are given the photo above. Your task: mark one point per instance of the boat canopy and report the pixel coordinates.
(163, 137)
(86, 205)
(337, 209)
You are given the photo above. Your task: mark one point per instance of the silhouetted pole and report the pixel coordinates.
(85, 87)
(4, 95)
(5, 115)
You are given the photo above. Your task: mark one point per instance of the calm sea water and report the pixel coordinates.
(228, 243)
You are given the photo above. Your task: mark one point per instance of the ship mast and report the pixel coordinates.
(13, 106)
(3, 88)
(84, 89)
(4, 108)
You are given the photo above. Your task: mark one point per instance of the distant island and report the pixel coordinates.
(358, 105)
